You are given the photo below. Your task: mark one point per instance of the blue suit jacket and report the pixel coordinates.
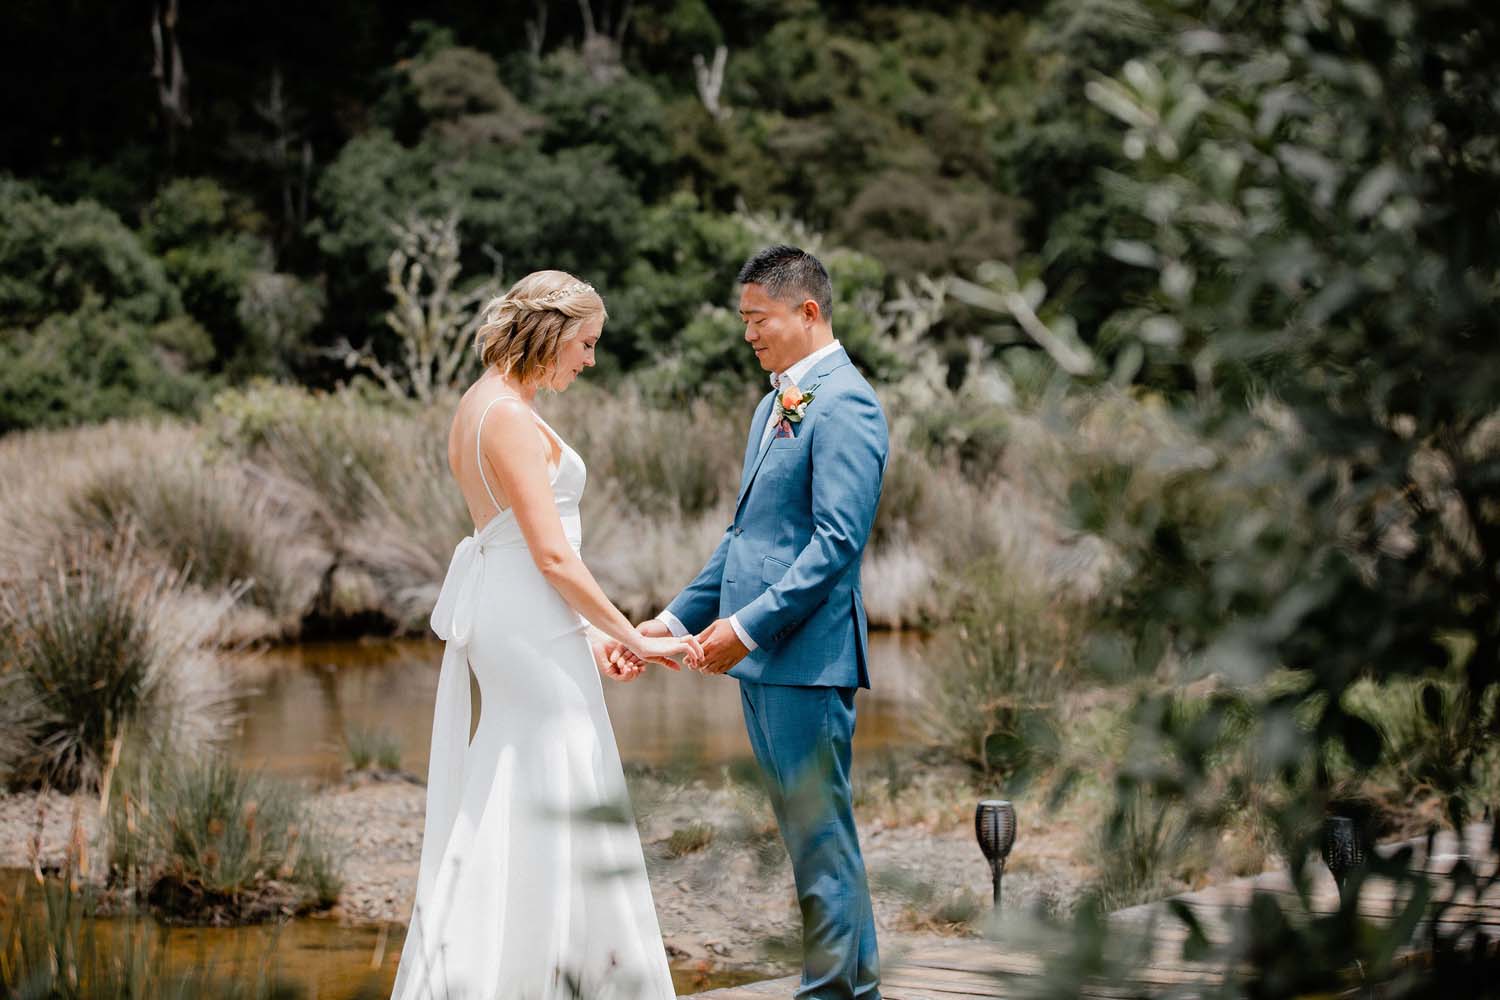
(789, 564)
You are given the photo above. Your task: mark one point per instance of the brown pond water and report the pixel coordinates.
(296, 702)
(319, 957)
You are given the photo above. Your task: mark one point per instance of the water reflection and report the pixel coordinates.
(319, 957)
(297, 702)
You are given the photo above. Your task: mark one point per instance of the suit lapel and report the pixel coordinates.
(752, 465)
(828, 366)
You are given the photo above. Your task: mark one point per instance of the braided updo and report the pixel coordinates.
(524, 329)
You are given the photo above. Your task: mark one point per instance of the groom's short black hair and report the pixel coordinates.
(791, 275)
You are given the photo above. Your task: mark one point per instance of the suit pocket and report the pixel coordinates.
(785, 450)
(772, 570)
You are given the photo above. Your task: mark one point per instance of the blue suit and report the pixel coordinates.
(788, 568)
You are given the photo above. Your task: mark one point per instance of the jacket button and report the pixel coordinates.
(739, 531)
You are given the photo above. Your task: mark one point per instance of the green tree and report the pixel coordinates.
(54, 258)
(1318, 185)
(94, 328)
(621, 117)
(1053, 149)
(213, 247)
(95, 364)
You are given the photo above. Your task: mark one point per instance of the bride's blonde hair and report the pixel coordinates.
(524, 329)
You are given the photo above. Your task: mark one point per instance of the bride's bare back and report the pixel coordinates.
(479, 482)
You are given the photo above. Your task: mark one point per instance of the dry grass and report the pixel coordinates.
(334, 507)
(231, 535)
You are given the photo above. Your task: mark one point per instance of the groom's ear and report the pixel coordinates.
(809, 311)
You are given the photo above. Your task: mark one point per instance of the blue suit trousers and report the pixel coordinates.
(803, 740)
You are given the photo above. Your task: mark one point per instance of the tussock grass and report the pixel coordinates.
(926, 907)
(223, 527)
(227, 532)
(99, 647)
(998, 672)
(681, 461)
(372, 480)
(1424, 776)
(206, 841)
(339, 508)
(1143, 850)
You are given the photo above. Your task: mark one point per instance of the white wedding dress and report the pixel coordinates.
(532, 883)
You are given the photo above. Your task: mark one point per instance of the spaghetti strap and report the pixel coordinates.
(545, 430)
(479, 454)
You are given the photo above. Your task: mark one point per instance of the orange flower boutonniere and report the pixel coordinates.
(791, 403)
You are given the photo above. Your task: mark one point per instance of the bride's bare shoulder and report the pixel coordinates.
(508, 431)
(482, 414)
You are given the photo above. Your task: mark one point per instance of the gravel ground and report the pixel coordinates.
(37, 828)
(723, 887)
(729, 902)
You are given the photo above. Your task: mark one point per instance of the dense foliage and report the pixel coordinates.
(1266, 232)
(1316, 186)
(165, 240)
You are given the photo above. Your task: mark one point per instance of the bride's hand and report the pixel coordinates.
(668, 650)
(615, 661)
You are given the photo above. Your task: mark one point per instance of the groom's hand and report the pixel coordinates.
(722, 648)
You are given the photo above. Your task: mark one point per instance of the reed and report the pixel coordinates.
(52, 945)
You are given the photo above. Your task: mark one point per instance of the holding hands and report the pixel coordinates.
(718, 648)
(722, 648)
(625, 661)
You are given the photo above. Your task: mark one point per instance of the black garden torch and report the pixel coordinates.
(995, 826)
(1343, 850)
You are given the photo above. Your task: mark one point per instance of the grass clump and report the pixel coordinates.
(97, 647)
(929, 907)
(689, 839)
(1439, 763)
(681, 459)
(1141, 847)
(367, 747)
(223, 528)
(999, 670)
(205, 841)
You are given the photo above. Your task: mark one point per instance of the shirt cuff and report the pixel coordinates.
(673, 624)
(739, 630)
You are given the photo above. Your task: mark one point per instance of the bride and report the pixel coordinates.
(532, 883)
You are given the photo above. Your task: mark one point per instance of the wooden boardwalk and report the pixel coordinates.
(970, 969)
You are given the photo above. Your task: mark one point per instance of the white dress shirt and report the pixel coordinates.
(794, 375)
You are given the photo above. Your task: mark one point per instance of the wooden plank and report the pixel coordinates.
(980, 969)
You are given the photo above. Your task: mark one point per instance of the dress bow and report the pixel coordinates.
(453, 615)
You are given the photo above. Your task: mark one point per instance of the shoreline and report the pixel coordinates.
(724, 898)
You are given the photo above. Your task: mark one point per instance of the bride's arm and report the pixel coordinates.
(517, 451)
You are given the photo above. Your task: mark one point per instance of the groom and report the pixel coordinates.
(778, 605)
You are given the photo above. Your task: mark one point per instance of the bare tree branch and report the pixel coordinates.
(620, 28)
(711, 81)
(433, 321)
(171, 87)
(536, 30)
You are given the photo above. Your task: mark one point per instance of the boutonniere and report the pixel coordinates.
(791, 403)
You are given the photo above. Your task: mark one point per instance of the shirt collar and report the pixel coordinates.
(799, 370)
